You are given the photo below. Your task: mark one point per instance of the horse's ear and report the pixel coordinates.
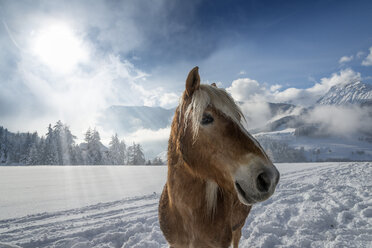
(192, 81)
(214, 84)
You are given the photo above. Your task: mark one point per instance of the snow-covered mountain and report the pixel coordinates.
(355, 92)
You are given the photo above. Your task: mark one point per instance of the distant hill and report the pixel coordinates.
(127, 119)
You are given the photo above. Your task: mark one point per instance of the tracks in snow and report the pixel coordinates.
(132, 222)
(324, 206)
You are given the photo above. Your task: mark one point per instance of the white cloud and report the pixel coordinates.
(368, 60)
(292, 95)
(311, 95)
(257, 113)
(156, 96)
(275, 87)
(169, 100)
(77, 99)
(342, 78)
(359, 54)
(345, 59)
(244, 89)
(340, 120)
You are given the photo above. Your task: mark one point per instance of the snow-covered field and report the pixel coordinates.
(315, 205)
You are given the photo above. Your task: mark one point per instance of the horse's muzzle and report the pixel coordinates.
(256, 182)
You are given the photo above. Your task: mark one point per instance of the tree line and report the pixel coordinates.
(58, 147)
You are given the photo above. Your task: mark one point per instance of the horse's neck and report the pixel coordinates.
(184, 187)
(186, 190)
(189, 200)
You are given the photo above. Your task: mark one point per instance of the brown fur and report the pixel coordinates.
(214, 156)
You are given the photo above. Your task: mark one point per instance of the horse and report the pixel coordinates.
(216, 170)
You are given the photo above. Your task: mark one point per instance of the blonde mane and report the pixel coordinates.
(205, 96)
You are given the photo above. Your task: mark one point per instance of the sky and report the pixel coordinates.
(70, 60)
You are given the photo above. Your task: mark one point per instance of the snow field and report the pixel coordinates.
(315, 205)
(126, 223)
(26, 190)
(328, 205)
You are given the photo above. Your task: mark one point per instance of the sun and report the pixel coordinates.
(57, 46)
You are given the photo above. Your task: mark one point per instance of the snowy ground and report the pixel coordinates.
(315, 205)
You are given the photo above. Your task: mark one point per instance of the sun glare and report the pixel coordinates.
(58, 47)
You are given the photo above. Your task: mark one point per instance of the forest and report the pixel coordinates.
(58, 147)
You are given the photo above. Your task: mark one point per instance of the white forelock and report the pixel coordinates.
(205, 96)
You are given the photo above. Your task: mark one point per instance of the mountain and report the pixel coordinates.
(127, 119)
(355, 92)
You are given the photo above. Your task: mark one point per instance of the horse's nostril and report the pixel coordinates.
(263, 182)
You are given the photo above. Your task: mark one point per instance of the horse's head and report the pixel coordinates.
(208, 132)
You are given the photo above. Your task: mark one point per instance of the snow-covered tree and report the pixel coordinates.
(58, 148)
(157, 161)
(64, 141)
(135, 155)
(117, 151)
(50, 149)
(76, 156)
(94, 155)
(33, 156)
(122, 152)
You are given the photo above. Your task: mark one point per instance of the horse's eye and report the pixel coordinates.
(207, 119)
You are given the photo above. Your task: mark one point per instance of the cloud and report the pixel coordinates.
(256, 113)
(359, 54)
(293, 96)
(75, 98)
(152, 141)
(310, 95)
(343, 77)
(368, 60)
(275, 87)
(345, 59)
(244, 89)
(340, 120)
(156, 96)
